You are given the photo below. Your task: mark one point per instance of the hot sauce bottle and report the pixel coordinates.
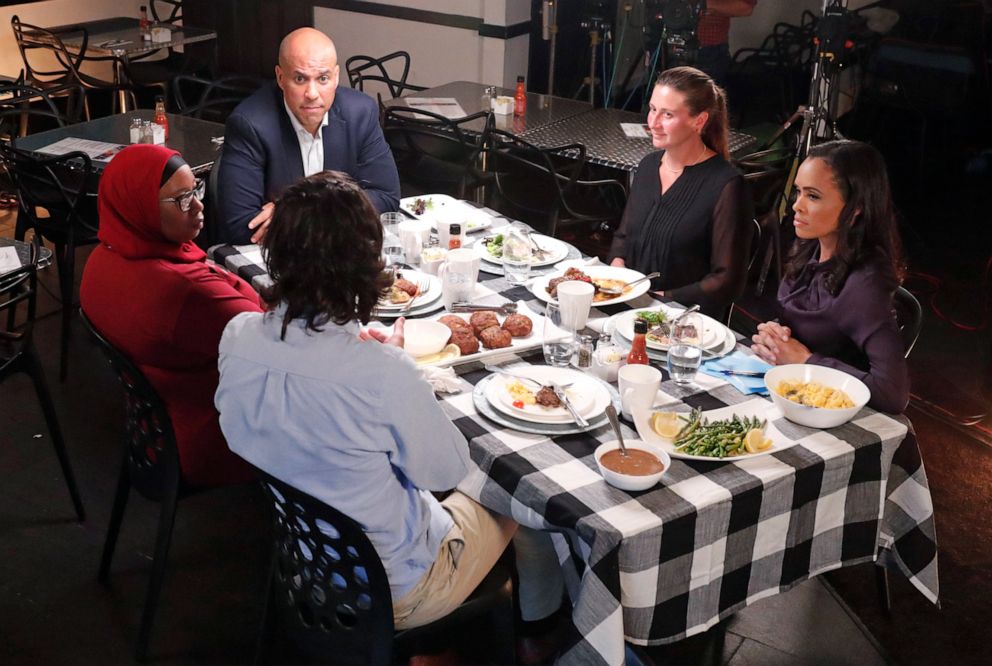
(639, 345)
(160, 117)
(454, 236)
(520, 98)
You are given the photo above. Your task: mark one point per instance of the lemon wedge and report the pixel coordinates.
(755, 441)
(449, 352)
(666, 424)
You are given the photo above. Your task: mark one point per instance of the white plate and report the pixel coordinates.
(726, 346)
(714, 333)
(517, 345)
(432, 294)
(581, 394)
(540, 284)
(558, 250)
(449, 209)
(759, 407)
(597, 394)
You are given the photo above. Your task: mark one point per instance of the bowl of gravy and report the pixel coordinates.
(640, 469)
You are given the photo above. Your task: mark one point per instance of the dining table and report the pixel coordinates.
(120, 38)
(656, 566)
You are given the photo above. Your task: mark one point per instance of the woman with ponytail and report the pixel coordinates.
(689, 211)
(836, 295)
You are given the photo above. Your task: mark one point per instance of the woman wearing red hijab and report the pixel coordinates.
(149, 290)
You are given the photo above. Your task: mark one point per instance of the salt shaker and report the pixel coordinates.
(607, 358)
(134, 132)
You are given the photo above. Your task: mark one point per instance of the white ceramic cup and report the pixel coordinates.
(412, 234)
(639, 385)
(459, 273)
(575, 299)
(431, 259)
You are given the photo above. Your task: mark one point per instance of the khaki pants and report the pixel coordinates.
(467, 554)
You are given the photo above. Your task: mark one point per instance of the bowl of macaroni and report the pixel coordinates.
(815, 395)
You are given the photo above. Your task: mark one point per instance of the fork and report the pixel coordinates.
(538, 251)
(500, 371)
(422, 287)
(505, 309)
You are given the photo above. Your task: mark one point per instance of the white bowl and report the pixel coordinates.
(627, 481)
(422, 337)
(816, 417)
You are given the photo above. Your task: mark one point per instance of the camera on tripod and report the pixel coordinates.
(675, 23)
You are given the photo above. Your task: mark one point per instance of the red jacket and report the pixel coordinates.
(165, 308)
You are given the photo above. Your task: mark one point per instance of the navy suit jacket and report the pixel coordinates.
(262, 156)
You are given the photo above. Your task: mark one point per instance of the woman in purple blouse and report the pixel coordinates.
(836, 295)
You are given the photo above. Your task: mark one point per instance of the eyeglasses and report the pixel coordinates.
(185, 200)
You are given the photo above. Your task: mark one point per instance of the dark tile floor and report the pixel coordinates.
(53, 611)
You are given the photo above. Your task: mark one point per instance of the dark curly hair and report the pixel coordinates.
(323, 252)
(867, 229)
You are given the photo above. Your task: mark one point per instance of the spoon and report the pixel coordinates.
(613, 291)
(611, 413)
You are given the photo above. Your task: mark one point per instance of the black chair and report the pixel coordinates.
(18, 354)
(151, 466)
(25, 108)
(211, 214)
(211, 99)
(363, 69)
(53, 201)
(909, 315)
(328, 591)
(45, 44)
(544, 187)
(754, 249)
(435, 152)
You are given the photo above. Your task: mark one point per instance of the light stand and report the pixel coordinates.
(549, 32)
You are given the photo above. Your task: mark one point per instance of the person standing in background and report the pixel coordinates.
(714, 36)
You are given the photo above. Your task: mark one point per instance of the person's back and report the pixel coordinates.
(159, 303)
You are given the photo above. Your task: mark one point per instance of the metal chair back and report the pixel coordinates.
(22, 104)
(909, 316)
(211, 99)
(327, 588)
(363, 69)
(166, 11)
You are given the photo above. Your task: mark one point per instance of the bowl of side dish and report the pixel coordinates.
(815, 395)
(639, 470)
(422, 337)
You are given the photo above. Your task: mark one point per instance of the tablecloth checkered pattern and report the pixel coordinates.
(657, 566)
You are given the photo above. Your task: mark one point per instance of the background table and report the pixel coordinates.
(711, 538)
(190, 136)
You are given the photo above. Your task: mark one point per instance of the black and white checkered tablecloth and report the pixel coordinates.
(657, 566)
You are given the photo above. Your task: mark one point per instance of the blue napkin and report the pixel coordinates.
(739, 360)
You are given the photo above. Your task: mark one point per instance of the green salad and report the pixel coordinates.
(494, 245)
(653, 317)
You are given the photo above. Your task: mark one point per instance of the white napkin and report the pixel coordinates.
(442, 380)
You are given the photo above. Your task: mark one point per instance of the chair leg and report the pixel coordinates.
(116, 516)
(52, 420)
(265, 626)
(882, 584)
(67, 279)
(166, 521)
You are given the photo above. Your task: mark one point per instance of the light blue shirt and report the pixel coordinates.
(351, 423)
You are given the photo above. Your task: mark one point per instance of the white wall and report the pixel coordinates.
(439, 54)
(52, 13)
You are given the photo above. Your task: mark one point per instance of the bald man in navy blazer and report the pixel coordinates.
(297, 126)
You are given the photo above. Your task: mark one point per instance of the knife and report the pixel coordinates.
(742, 373)
(581, 422)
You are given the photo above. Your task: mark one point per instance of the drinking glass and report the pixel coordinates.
(391, 222)
(685, 351)
(392, 251)
(518, 254)
(557, 341)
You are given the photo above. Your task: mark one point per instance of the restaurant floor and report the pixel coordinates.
(52, 610)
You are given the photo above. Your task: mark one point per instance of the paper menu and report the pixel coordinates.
(635, 130)
(9, 261)
(443, 106)
(97, 150)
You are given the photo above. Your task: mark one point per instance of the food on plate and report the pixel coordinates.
(495, 337)
(406, 285)
(666, 424)
(653, 317)
(723, 438)
(520, 393)
(465, 339)
(420, 206)
(454, 322)
(482, 320)
(494, 245)
(449, 352)
(398, 296)
(636, 463)
(814, 394)
(599, 283)
(546, 397)
(518, 325)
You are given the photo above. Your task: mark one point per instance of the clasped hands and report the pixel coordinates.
(774, 343)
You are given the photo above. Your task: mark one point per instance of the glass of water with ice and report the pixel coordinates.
(557, 340)
(518, 254)
(685, 351)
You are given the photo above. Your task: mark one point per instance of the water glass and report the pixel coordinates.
(391, 222)
(557, 340)
(685, 351)
(518, 254)
(392, 251)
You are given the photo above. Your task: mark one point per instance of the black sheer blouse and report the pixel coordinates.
(697, 234)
